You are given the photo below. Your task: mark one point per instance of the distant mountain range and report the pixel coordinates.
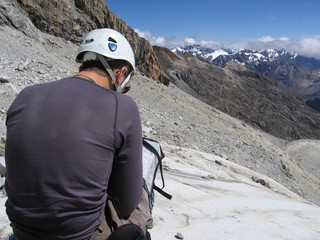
(241, 93)
(294, 73)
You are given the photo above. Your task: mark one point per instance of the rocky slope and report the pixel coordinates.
(168, 113)
(71, 20)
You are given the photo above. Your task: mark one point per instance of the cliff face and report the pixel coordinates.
(71, 20)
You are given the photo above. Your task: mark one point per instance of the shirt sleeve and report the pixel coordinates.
(126, 181)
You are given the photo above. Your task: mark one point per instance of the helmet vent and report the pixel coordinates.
(89, 40)
(112, 44)
(110, 39)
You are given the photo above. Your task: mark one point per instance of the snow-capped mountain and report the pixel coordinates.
(296, 73)
(246, 57)
(207, 53)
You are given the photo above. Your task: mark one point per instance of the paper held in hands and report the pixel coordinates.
(150, 163)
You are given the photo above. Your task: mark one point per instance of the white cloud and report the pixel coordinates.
(161, 41)
(173, 41)
(284, 39)
(266, 39)
(190, 41)
(310, 46)
(144, 34)
(307, 46)
(210, 44)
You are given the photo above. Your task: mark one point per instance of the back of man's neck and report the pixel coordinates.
(103, 81)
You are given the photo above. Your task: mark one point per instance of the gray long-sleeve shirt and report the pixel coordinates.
(69, 143)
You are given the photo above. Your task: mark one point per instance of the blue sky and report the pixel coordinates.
(253, 24)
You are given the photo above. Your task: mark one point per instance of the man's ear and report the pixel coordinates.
(119, 73)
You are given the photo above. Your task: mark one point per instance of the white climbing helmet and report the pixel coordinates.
(106, 44)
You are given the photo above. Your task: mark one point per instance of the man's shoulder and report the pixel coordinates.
(40, 85)
(127, 104)
(124, 98)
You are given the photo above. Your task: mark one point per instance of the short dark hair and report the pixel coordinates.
(100, 69)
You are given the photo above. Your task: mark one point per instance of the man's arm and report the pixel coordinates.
(126, 181)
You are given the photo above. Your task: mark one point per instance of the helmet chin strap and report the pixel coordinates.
(124, 82)
(113, 77)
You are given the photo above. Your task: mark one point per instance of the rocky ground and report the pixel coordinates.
(168, 114)
(216, 199)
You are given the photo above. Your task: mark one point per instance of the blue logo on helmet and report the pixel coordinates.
(112, 46)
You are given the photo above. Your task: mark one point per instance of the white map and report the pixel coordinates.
(150, 163)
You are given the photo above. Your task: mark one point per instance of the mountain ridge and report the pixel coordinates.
(295, 73)
(242, 93)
